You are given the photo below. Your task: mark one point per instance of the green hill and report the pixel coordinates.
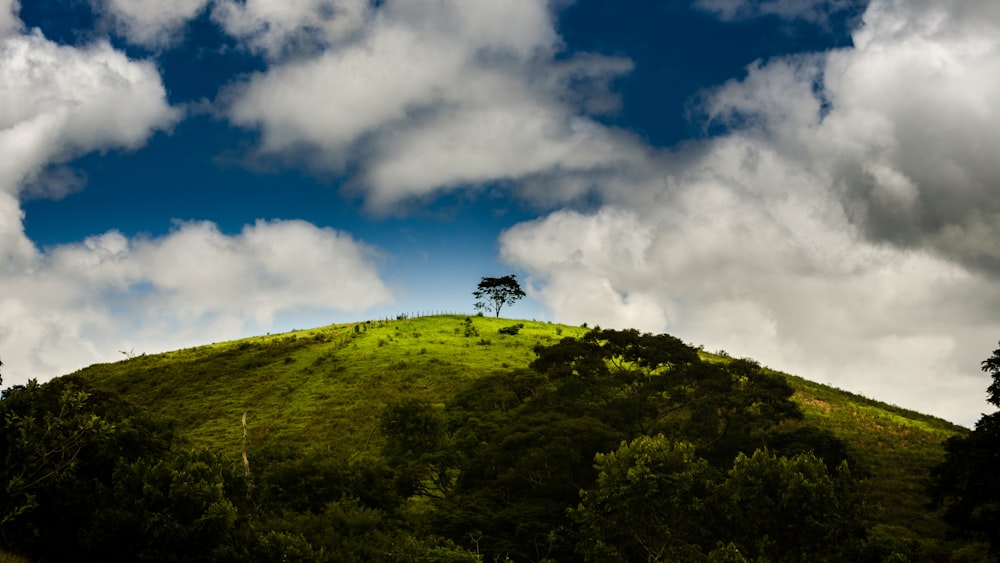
(323, 390)
(320, 386)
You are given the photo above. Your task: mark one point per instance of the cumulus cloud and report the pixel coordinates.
(152, 23)
(779, 277)
(282, 28)
(844, 228)
(58, 102)
(430, 95)
(84, 302)
(75, 304)
(911, 126)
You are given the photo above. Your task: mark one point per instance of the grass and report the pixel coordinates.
(324, 388)
(319, 386)
(896, 447)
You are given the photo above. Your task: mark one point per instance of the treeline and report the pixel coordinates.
(617, 446)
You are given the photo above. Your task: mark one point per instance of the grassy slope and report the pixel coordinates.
(897, 446)
(320, 386)
(325, 387)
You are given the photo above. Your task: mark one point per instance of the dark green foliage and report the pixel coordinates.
(816, 441)
(512, 329)
(991, 366)
(514, 489)
(649, 503)
(656, 500)
(469, 329)
(87, 477)
(791, 509)
(524, 439)
(493, 293)
(60, 445)
(966, 484)
(175, 508)
(416, 447)
(658, 384)
(307, 481)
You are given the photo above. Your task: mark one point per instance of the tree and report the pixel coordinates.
(60, 444)
(793, 509)
(648, 503)
(991, 366)
(416, 446)
(494, 293)
(965, 484)
(172, 507)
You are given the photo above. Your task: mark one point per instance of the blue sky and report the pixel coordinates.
(811, 182)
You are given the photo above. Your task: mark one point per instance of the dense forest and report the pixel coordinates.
(607, 446)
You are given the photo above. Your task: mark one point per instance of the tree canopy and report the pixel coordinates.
(966, 484)
(493, 293)
(991, 366)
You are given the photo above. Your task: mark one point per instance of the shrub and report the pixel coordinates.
(512, 329)
(469, 329)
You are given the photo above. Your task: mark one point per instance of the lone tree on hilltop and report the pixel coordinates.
(494, 293)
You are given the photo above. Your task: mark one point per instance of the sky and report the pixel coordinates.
(811, 183)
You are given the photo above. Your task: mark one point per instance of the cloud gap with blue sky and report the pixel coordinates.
(809, 183)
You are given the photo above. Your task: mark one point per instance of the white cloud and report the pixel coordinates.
(330, 101)
(593, 268)
(153, 23)
(9, 21)
(282, 28)
(75, 304)
(785, 282)
(430, 95)
(499, 131)
(270, 267)
(58, 102)
(845, 229)
(912, 127)
(82, 303)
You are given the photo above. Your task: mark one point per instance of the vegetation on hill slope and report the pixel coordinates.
(319, 386)
(318, 402)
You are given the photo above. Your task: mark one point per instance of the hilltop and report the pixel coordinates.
(324, 384)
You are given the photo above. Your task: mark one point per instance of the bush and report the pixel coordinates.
(469, 329)
(512, 329)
